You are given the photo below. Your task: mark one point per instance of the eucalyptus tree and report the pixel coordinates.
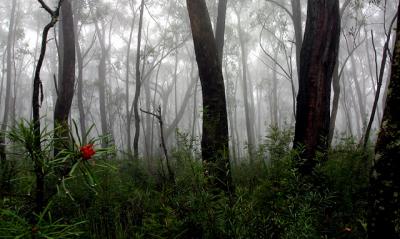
(65, 90)
(246, 90)
(215, 138)
(317, 62)
(9, 50)
(384, 200)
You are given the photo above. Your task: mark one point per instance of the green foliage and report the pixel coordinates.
(271, 200)
(13, 225)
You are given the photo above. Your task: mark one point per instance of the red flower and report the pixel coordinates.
(87, 151)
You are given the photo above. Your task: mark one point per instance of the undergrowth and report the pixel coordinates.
(130, 200)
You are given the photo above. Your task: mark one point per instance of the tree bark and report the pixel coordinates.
(298, 30)
(384, 200)
(318, 58)
(128, 111)
(138, 86)
(220, 29)
(9, 73)
(37, 98)
(67, 82)
(215, 139)
(247, 106)
(80, 59)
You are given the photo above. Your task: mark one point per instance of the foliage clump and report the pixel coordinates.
(271, 200)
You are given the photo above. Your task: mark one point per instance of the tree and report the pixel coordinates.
(137, 87)
(245, 86)
(65, 91)
(37, 99)
(318, 58)
(215, 139)
(7, 105)
(220, 29)
(384, 198)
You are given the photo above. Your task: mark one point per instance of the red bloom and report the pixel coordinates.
(87, 151)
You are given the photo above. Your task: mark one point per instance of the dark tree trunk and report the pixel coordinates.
(9, 73)
(102, 97)
(137, 87)
(384, 199)
(220, 29)
(298, 30)
(318, 58)
(37, 98)
(67, 82)
(215, 140)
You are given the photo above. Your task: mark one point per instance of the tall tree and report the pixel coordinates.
(9, 73)
(215, 139)
(245, 87)
(220, 29)
(37, 98)
(318, 58)
(137, 87)
(65, 91)
(384, 194)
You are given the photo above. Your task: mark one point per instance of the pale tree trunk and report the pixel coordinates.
(9, 73)
(138, 86)
(127, 109)
(360, 99)
(245, 83)
(80, 56)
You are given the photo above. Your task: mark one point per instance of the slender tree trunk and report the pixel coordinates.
(138, 86)
(335, 103)
(384, 200)
(9, 73)
(379, 85)
(318, 58)
(220, 29)
(360, 99)
(79, 58)
(298, 30)
(67, 82)
(215, 140)
(102, 97)
(37, 98)
(247, 105)
(128, 111)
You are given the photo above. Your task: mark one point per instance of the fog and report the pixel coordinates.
(259, 66)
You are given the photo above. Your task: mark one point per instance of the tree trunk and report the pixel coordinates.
(102, 97)
(128, 111)
(318, 58)
(80, 58)
(298, 30)
(247, 105)
(137, 87)
(37, 98)
(215, 140)
(8, 82)
(384, 200)
(220, 29)
(67, 82)
(335, 103)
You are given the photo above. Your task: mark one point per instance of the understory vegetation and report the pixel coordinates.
(125, 198)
